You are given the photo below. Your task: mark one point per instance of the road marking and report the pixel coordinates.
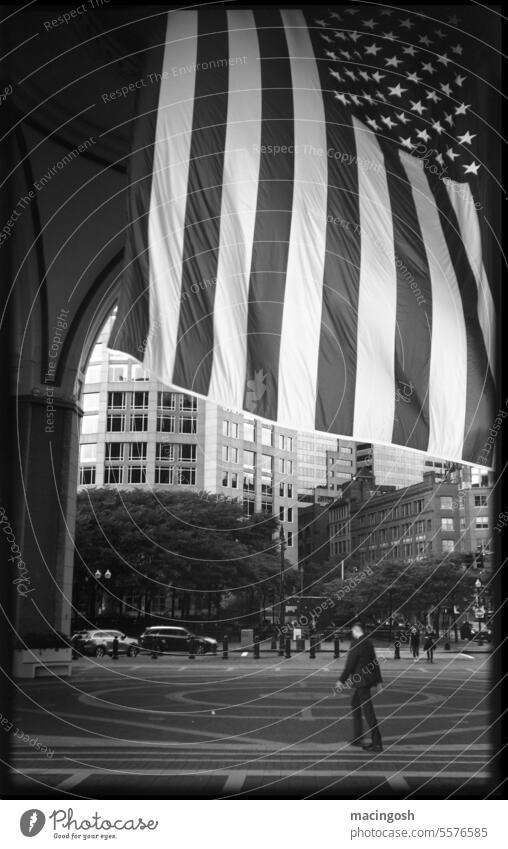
(235, 781)
(181, 668)
(74, 779)
(306, 714)
(398, 782)
(280, 773)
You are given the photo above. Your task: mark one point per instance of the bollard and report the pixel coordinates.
(154, 648)
(396, 656)
(312, 652)
(288, 647)
(256, 647)
(225, 644)
(336, 647)
(115, 649)
(192, 649)
(214, 650)
(281, 646)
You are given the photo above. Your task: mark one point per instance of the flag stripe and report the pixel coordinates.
(299, 346)
(273, 219)
(377, 302)
(337, 344)
(169, 190)
(479, 387)
(447, 383)
(467, 217)
(414, 316)
(132, 324)
(238, 213)
(194, 353)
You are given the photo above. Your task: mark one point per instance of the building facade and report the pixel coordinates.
(434, 517)
(394, 466)
(137, 433)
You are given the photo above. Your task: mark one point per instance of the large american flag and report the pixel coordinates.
(308, 235)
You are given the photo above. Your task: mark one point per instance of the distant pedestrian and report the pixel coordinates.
(397, 642)
(362, 673)
(430, 644)
(414, 641)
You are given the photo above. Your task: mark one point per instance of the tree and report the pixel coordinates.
(197, 545)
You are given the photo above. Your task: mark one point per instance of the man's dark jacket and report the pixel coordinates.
(362, 667)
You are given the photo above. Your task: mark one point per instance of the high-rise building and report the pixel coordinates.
(394, 466)
(137, 432)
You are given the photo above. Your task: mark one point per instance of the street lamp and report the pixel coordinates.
(478, 586)
(98, 576)
(281, 585)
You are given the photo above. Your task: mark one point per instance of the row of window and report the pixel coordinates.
(114, 474)
(116, 372)
(120, 451)
(171, 401)
(138, 423)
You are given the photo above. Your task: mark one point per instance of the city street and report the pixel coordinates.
(241, 726)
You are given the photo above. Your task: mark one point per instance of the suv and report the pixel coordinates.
(99, 643)
(168, 639)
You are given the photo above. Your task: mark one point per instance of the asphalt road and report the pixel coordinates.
(241, 727)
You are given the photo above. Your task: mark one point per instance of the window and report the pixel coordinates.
(266, 505)
(480, 501)
(289, 490)
(429, 524)
(137, 474)
(266, 485)
(137, 450)
(481, 522)
(188, 424)
(186, 477)
(93, 374)
(114, 451)
(229, 454)
(249, 459)
(248, 506)
(447, 546)
(462, 523)
(290, 514)
(290, 539)
(266, 435)
(188, 453)
(165, 451)
(282, 514)
(267, 463)
(188, 403)
(164, 474)
(248, 431)
(90, 402)
(116, 373)
(139, 373)
(234, 480)
(90, 424)
(248, 483)
(139, 422)
(285, 466)
(281, 490)
(116, 400)
(166, 400)
(87, 475)
(140, 400)
(113, 474)
(165, 424)
(225, 479)
(87, 452)
(116, 423)
(230, 429)
(447, 524)
(446, 502)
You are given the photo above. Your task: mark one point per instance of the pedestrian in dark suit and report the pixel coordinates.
(361, 673)
(414, 641)
(429, 644)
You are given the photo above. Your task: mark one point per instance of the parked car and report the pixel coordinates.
(100, 642)
(485, 634)
(172, 639)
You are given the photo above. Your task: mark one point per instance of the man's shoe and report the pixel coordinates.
(372, 747)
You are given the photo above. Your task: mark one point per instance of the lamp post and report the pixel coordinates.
(281, 584)
(478, 586)
(98, 576)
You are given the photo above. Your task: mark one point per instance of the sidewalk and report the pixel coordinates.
(461, 647)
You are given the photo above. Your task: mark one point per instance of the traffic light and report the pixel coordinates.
(479, 559)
